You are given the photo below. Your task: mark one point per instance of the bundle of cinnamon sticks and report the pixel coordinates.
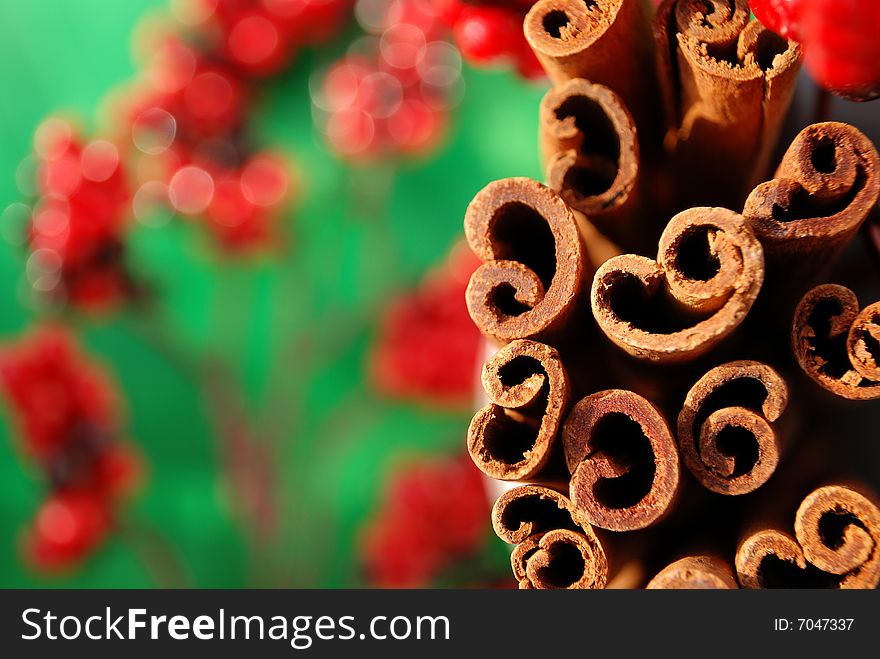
(668, 345)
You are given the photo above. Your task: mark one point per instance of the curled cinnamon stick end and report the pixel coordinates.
(727, 83)
(513, 437)
(837, 345)
(604, 41)
(534, 260)
(725, 431)
(708, 272)
(555, 546)
(622, 458)
(560, 559)
(824, 189)
(695, 573)
(590, 144)
(836, 543)
(531, 510)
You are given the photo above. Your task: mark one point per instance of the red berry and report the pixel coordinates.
(118, 471)
(484, 34)
(448, 11)
(415, 128)
(781, 16)
(191, 190)
(842, 46)
(418, 14)
(77, 227)
(351, 133)
(213, 96)
(433, 513)
(237, 222)
(264, 180)
(68, 527)
(255, 43)
(171, 66)
(53, 389)
(309, 21)
(428, 347)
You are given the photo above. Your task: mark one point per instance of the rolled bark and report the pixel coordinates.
(727, 83)
(534, 261)
(623, 460)
(555, 546)
(837, 345)
(726, 428)
(707, 274)
(605, 41)
(590, 146)
(695, 573)
(824, 189)
(836, 544)
(514, 437)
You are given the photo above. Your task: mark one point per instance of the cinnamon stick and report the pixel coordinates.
(534, 261)
(836, 543)
(708, 271)
(605, 41)
(695, 572)
(514, 436)
(590, 146)
(727, 83)
(824, 189)
(559, 559)
(837, 345)
(529, 510)
(726, 431)
(555, 546)
(623, 460)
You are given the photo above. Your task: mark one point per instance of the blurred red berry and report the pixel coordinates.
(67, 412)
(428, 347)
(842, 46)
(420, 15)
(351, 133)
(265, 180)
(78, 225)
(432, 513)
(53, 389)
(309, 21)
(415, 128)
(256, 44)
(840, 40)
(213, 97)
(448, 11)
(781, 16)
(485, 34)
(235, 221)
(68, 526)
(119, 471)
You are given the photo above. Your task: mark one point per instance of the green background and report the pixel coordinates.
(295, 329)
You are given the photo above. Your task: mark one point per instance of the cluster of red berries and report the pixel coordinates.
(433, 513)
(391, 93)
(181, 137)
(428, 347)
(78, 223)
(187, 115)
(261, 37)
(67, 412)
(489, 33)
(841, 40)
